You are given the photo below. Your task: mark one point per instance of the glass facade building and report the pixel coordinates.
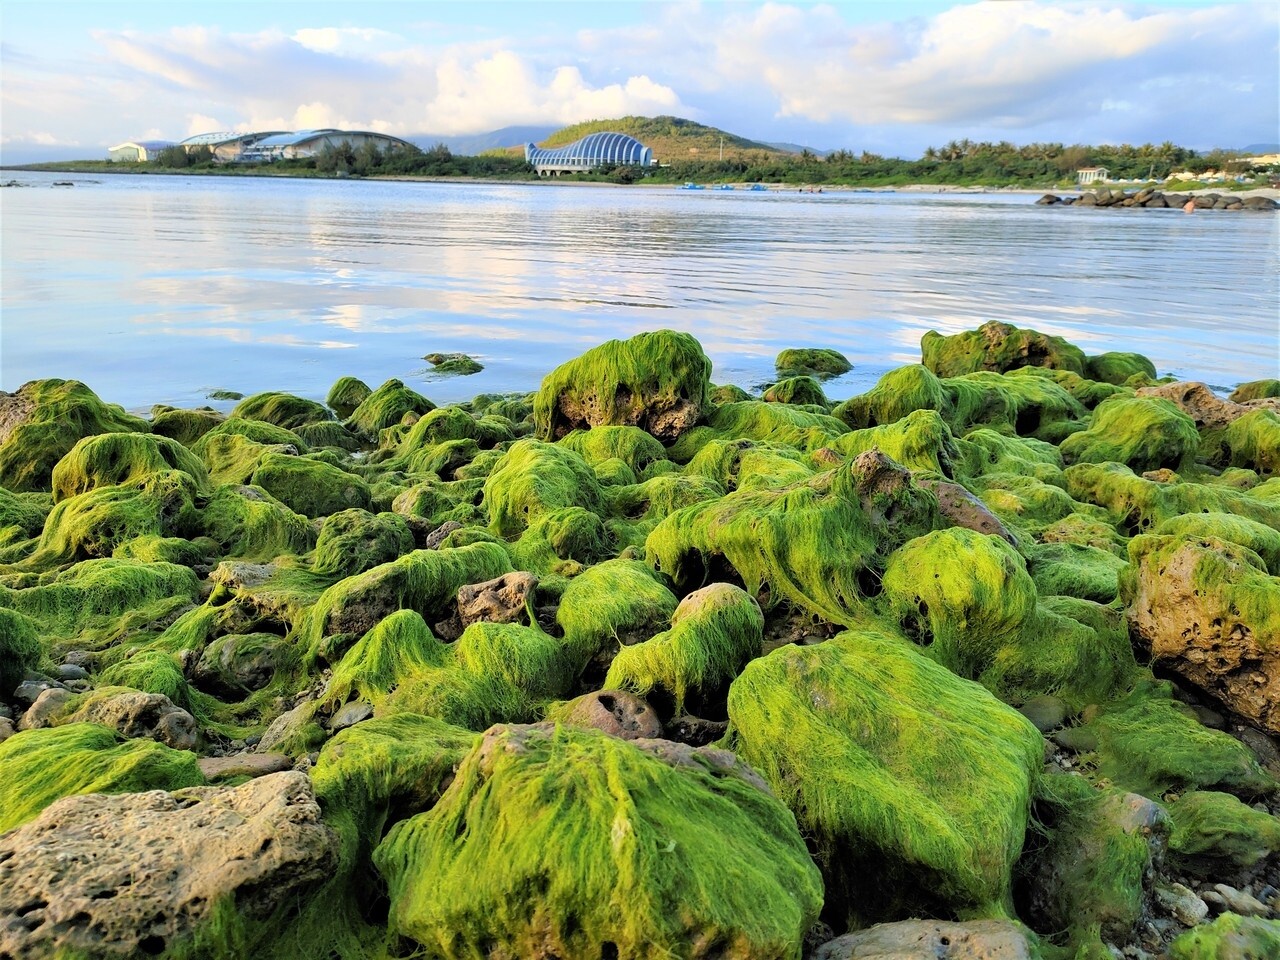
(593, 150)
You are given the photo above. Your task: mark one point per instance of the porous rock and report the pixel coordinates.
(963, 509)
(930, 940)
(504, 599)
(615, 712)
(135, 714)
(136, 873)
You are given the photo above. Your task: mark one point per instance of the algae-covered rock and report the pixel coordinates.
(659, 382)
(42, 420)
(20, 649)
(1255, 390)
(453, 364)
(896, 394)
(236, 664)
(920, 441)
(121, 459)
(998, 347)
(1258, 537)
(535, 478)
(352, 541)
(820, 362)
(649, 853)
(1207, 609)
(615, 712)
(1254, 442)
(914, 785)
(1075, 570)
(631, 445)
(246, 521)
(386, 406)
(184, 426)
(312, 488)
(134, 714)
(38, 767)
(1144, 433)
(346, 394)
(800, 391)
(281, 409)
(618, 602)
(149, 873)
(1230, 937)
(1117, 367)
(1215, 834)
(714, 632)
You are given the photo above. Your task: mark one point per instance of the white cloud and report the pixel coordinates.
(199, 123)
(39, 138)
(346, 41)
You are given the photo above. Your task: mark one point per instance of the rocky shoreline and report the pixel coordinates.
(1153, 199)
(984, 662)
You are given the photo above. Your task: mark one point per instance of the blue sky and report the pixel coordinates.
(891, 77)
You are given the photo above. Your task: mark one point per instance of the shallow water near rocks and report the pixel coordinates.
(162, 289)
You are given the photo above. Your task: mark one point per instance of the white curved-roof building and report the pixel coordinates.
(593, 150)
(136, 151)
(307, 143)
(227, 146)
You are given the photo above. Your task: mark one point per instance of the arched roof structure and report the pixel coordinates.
(593, 150)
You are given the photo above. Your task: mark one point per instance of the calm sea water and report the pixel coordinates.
(161, 289)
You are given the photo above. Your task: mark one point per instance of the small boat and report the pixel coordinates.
(692, 186)
(723, 186)
(758, 187)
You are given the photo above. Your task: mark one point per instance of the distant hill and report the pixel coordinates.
(472, 145)
(797, 148)
(670, 138)
(1260, 149)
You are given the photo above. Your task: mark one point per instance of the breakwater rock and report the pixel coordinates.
(1153, 199)
(640, 666)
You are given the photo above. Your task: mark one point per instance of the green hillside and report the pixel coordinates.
(670, 138)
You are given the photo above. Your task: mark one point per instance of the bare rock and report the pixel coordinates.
(437, 536)
(616, 712)
(696, 731)
(136, 873)
(1237, 901)
(244, 765)
(6, 729)
(930, 940)
(963, 509)
(1205, 407)
(135, 714)
(1182, 904)
(502, 600)
(47, 706)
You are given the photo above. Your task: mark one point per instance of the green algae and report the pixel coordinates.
(914, 785)
(22, 516)
(1148, 745)
(998, 347)
(453, 364)
(820, 362)
(346, 394)
(387, 405)
(799, 391)
(453, 423)
(1026, 404)
(352, 541)
(310, 487)
(808, 542)
(329, 435)
(920, 441)
(984, 451)
(281, 410)
(896, 394)
(637, 449)
(151, 549)
(1075, 570)
(1144, 433)
(1255, 390)
(1254, 442)
(755, 420)
(1258, 537)
(151, 671)
(714, 632)
(626, 853)
(123, 459)
(20, 648)
(1229, 937)
(184, 426)
(38, 767)
(59, 413)
(658, 382)
(246, 521)
(747, 464)
(1117, 367)
(534, 478)
(615, 602)
(1214, 833)
(562, 542)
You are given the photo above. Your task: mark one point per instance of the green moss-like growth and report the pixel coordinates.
(896, 394)
(310, 487)
(20, 648)
(185, 426)
(151, 671)
(819, 362)
(330, 435)
(535, 478)
(248, 522)
(22, 515)
(387, 406)
(38, 767)
(1255, 390)
(728, 393)
(809, 542)
(631, 445)
(121, 459)
(914, 785)
(453, 364)
(281, 409)
(346, 394)
(1229, 937)
(1075, 570)
(659, 382)
(177, 550)
(1144, 433)
(1215, 834)
(920, 441)
(562, 541)
(998, 347)
(1147, 744)
(1022, 402)
(799, 391)
(760, 422)
(714, 632)
(618, 602)
(59, 413)
(1258, 537)
(1254, 442)
(1116, 367)
(353, 541)
(968, 597)
(627, 853)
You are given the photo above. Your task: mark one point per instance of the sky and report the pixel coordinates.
(889, 77)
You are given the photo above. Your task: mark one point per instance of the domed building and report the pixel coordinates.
(593, 150)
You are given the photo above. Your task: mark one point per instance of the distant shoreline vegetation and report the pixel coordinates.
(957, 163)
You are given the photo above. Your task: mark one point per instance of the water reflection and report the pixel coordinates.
(156, 288)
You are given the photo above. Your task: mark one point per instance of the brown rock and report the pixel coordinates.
(1198, 402)
(136, 873)
(135, 714)
(963, 509)
(501, 600)
(437, 536)
(244, 765)
(696, 731)
(930, 940)
(616, 712)
(47, 707)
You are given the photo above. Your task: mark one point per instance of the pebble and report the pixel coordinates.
(1238, 901)
(6, 711)
(1046, 712)
(244, 765)
(1182, 903)
(6, 729)
(350, 715)
(71, 671)
(28, 691)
